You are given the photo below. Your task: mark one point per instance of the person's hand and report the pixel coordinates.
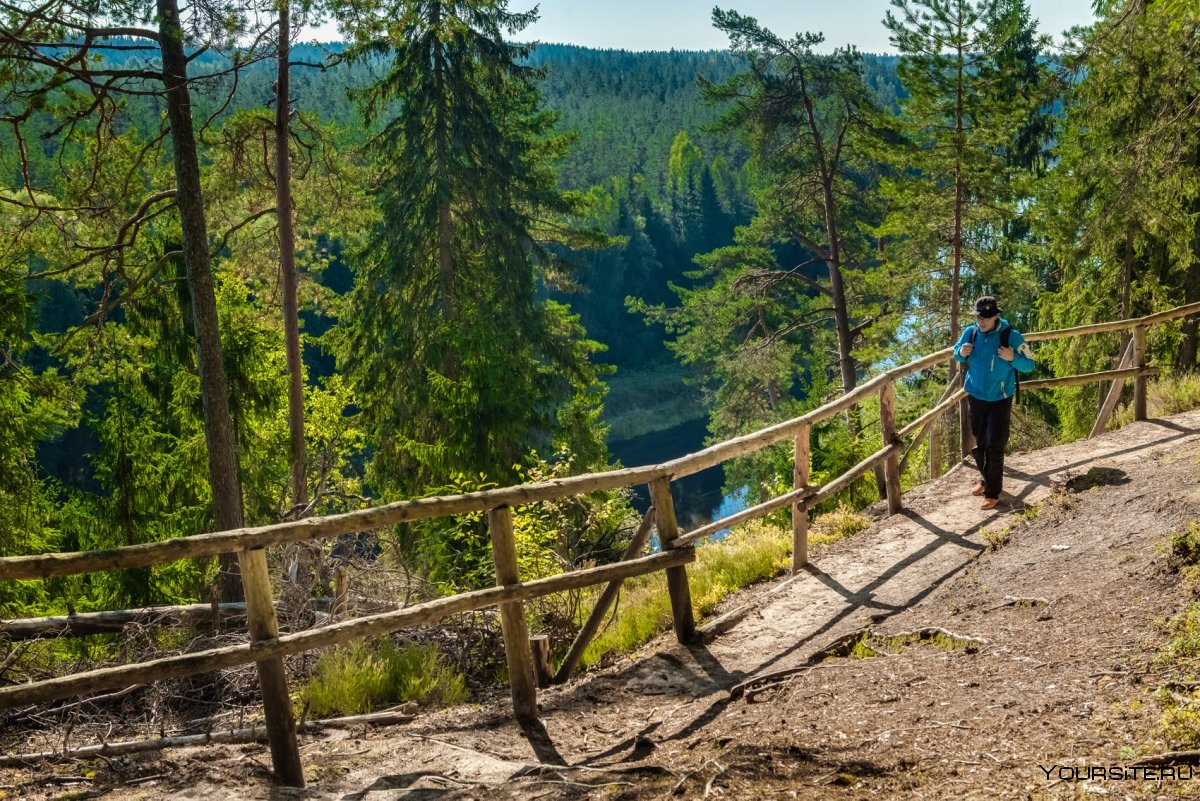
(1006, 354)
(965, 349)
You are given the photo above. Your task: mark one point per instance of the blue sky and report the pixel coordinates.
(687, 25)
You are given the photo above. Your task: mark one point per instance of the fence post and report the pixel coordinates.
(512, 617)
(1139, 382)
(677, 580)
(277, 706)
(800, 508)
(891, 466)
(1114, 394)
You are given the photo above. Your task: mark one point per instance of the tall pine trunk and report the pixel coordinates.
(214, 390)
(966, 439)
(287, 261)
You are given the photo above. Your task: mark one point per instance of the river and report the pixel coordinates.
(699, 498)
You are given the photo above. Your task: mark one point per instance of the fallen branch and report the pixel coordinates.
(86, 623)
(250, 735)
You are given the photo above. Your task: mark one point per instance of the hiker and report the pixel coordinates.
(994, 352)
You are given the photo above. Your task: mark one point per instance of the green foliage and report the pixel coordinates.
(1166, 394)
(362, 676)
(550, 536)
(1119, 210)
(654, 397)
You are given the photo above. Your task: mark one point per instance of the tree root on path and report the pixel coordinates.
(862, 644)
(1168, 758)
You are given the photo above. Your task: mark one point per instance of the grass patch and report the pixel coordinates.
(753, 552)
(995, 538)
(1170, 394)
(366, 675)
(1179, 722)
(1184, 547)
(832, 526)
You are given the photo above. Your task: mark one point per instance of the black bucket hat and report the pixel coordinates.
(987, 307)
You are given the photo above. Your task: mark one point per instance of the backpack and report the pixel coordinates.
(1004, 332)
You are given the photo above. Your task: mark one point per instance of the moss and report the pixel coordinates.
(935, 637)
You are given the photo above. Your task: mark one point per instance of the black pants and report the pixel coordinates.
(990, 424)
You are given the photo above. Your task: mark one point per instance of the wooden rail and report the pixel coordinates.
(267, 647)
(410, 616)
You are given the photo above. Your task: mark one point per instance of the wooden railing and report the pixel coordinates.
(511, 592)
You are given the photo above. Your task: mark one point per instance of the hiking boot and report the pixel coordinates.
(989, 503)
(978, 489)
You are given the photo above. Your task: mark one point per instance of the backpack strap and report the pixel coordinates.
(1004, 334)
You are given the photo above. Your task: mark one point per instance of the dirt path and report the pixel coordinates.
(1058, 624)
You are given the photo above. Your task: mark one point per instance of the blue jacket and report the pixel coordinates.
(989, 377)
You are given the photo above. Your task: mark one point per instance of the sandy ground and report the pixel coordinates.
(1044, 669)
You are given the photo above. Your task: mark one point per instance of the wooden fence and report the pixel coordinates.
(511, 593)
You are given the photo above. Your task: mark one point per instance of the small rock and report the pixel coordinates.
(1059, 547)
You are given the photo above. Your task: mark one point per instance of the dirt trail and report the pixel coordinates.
(1067, 612)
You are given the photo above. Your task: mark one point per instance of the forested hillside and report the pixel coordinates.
(244, 279)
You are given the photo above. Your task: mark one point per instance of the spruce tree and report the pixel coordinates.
(460, 365)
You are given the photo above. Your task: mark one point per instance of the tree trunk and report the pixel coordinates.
(214, 391)
(965, 436)
(1191, 293)
(287, 261)
(441, 134)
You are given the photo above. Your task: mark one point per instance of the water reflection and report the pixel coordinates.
(699, 498)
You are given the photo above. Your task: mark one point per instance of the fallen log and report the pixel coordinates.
(113, 622)
(252, 734)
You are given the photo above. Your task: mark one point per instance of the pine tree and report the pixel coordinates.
(968, 121)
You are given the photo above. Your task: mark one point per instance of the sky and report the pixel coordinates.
(687, 24)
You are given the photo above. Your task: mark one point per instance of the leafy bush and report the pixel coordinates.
(550, 536)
